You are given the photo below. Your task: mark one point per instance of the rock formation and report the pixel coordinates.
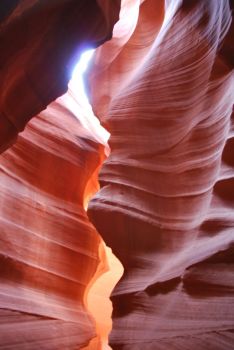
(49, 249)
(164, 90)
(163, 87)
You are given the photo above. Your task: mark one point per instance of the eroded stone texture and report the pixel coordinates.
(164, 88)
(165, 93)
(49, 249)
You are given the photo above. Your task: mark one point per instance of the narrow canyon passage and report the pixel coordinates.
(160, 195)
(56, 272)
(110, 270)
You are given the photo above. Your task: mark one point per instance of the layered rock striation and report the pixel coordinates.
(163, 87)
(166, 201)
(49, 250)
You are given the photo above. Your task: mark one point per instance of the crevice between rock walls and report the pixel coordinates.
(50, 251)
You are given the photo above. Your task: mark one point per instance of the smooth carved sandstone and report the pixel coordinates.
(163, 87)
(49, 249)
(166, 201)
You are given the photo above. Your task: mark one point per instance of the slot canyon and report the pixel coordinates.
(117, 212)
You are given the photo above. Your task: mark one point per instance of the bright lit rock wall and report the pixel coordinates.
(163, 87)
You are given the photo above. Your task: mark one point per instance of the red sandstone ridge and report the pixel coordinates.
(49, 249)
(164, 89)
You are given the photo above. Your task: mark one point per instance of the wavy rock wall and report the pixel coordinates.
(163, 87)
(49, 249)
